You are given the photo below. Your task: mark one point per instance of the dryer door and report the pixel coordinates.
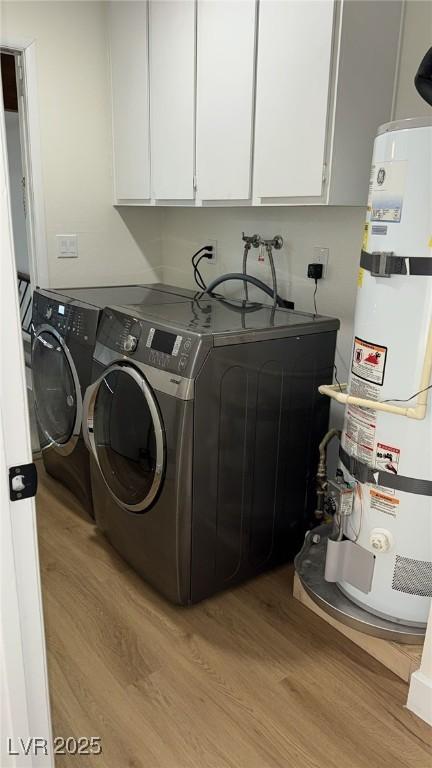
(126, 436)
(57, 391)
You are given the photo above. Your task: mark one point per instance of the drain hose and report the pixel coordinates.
(245, 279)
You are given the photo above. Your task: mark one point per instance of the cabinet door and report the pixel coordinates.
(293, 73)
(172, 98)
(130, 99)
(225, 91)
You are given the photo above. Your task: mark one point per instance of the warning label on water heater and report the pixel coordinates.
(380, 502)
(387, 458)
(359, 433)
(369, 361)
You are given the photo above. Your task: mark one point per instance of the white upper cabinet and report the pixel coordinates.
(172, 98)
(275, 102)
(128, 24)
(293, 76)
(225, 98)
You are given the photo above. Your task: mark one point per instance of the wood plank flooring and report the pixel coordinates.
(247, 679)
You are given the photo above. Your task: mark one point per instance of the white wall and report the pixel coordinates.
(75, 122)
(13, 143)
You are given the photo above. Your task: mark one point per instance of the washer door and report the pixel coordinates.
(57, 391)
(128, 437)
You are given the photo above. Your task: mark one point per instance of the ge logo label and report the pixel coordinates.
(381, 176)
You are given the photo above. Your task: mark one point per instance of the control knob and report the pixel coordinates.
(130, 343)
(48, 313)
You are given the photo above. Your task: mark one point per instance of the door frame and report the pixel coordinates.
(25, 708)
(32, 157)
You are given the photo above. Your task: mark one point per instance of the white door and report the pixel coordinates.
(293, 74)
(24, 711)
(225, 93)
(130, 100)
(172, 98)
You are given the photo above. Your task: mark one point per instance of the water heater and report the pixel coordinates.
(372, 566)
(386, 455)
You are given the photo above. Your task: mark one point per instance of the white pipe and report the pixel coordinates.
(418, 412)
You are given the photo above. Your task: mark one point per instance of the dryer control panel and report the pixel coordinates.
(148, 342)
(167, 347)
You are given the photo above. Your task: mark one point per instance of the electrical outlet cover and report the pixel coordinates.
(321, 256)
(215, 252)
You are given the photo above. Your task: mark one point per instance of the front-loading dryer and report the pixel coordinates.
(64, 327)
(203, 424)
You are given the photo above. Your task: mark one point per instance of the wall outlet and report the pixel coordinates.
(67, 246)
(321, 256)
(215, 252)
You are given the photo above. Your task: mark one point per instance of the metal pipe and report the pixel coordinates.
(321, 475)
(322, 448)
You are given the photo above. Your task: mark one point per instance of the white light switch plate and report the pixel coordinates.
(67, 246)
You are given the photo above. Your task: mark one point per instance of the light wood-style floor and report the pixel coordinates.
(248, 679)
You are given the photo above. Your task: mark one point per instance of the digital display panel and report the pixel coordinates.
(163, 341)
(61, 309)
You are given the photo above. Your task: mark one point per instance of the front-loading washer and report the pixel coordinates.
(64, 327)
(203, 424)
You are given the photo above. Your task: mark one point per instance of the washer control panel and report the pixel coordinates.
(68, 319)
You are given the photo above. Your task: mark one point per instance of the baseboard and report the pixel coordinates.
(420, 696)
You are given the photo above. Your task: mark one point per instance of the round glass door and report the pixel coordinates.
(56, 391)
(128, 437)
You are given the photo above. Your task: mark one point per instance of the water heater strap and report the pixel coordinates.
(364, 474)
(385, 264)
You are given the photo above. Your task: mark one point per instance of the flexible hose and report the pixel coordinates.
(245, 278)
(273, 273)
(245, 255)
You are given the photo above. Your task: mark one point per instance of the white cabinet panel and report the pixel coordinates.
(225, 91)
(172, 98)
(130, 99)
(293, 71)
(363, 93)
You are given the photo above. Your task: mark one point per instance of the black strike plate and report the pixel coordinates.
(23, 481)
